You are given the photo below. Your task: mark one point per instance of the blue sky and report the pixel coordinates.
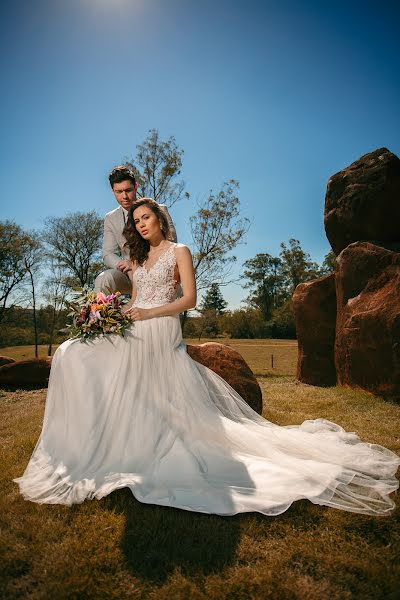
(279, 95)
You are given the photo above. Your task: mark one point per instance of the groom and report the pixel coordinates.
(115, 251)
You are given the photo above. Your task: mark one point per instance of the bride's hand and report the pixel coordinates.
(138, 314)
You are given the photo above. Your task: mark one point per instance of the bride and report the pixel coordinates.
(138, 412)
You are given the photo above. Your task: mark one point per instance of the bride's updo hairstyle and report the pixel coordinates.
(138, 246)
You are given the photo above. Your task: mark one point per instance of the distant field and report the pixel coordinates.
(259, 354)
(23, 352)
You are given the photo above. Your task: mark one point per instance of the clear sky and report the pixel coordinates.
(277, 94)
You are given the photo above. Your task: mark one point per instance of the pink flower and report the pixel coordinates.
(101, 298)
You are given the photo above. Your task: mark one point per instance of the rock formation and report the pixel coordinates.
(367, 346)
(362, 223)
(6, 360)
(314, 305)
(362, 201)
(232, 367)
(22, 373)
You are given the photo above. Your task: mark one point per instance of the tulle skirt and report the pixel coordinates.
(138, 412)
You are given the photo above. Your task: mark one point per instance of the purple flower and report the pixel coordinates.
(82, 316)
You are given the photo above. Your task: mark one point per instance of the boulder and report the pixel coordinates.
(6, 360)
(314, 305)
(362, 201)
(232, 367)
(30, 372)
(367, 347)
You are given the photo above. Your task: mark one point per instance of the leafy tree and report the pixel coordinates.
(329, 264)
(157, 166)
(212, 307)
(297, 265)
(282, 324)
(192, 327)
(73, 243)
(213, 300)
(244, 323)
(208, 323)
(15, 246)
(217, 228)
(265, 280)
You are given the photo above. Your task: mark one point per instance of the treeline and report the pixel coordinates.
(267, 311)
(18, 329)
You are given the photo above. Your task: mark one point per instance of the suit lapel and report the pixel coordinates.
(119, 225)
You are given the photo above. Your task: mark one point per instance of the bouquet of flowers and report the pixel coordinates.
(94, 313)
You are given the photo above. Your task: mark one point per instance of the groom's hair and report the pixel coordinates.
(121, 173)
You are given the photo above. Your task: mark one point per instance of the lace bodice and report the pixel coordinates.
(157, 285)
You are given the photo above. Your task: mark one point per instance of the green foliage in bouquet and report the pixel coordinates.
(94, 313)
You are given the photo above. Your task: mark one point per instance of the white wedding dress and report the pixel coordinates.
(138, 412)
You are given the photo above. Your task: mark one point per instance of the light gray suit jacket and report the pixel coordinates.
(114, 243)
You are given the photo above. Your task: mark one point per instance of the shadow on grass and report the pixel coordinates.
(158, 540)
(26, 387)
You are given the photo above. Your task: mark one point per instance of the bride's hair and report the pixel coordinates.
(138, 246)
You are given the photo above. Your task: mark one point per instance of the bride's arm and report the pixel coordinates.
(188, 300)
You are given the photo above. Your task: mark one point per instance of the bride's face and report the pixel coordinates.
(146, 222)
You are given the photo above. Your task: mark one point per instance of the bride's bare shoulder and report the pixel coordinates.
(181, 249)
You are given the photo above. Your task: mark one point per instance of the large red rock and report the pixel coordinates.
(367, 344)
(314, 305)
(362, 201)
(21, 373)
(6, 360)
(232, 367)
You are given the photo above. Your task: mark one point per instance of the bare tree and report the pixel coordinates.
(55, 292)
(15, 245)
(33, 258)
(157, 165)
(217, 228)
(74, 243)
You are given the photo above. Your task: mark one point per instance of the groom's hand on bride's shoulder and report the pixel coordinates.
(124, 265)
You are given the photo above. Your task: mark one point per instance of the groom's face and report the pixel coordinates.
(125, 193)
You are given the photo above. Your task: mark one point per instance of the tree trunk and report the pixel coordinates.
(183, 321)
(34, 312)
(53, 322)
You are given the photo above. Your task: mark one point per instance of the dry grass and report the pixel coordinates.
(24, 352)
(118, 548)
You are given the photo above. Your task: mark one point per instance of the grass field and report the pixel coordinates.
(24, 352)
(118, 548)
